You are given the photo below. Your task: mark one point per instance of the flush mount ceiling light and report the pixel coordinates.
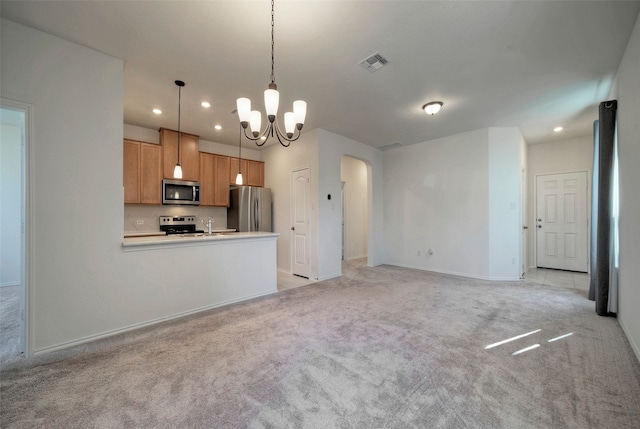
(558, 129)
(432, 108)
(177, 171)
(217, 127)
(157, 111)
(205, 104)
(292, 120)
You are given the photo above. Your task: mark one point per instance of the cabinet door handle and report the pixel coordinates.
(293, 228)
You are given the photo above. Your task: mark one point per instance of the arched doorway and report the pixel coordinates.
(355, 207)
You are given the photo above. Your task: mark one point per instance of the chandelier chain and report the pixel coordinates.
(273, 77)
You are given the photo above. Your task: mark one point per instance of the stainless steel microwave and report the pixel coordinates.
(180, 192)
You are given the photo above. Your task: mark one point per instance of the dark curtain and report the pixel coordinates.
(606, 141)
(594, 211)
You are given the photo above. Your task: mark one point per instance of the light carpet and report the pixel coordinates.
(381, 347)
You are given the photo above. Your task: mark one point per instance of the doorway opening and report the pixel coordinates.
(14, 126)
(355, 208)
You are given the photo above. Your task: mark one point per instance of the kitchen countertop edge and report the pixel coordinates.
(167, 241)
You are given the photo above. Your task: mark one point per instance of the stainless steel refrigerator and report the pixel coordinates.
(250, 209)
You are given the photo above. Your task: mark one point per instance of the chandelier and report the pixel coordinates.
(293, 121)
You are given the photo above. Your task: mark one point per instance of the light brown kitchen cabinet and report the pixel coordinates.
(131, 171)
(142, 173)
(222, 186)
(233, 170)
(189, 154)
(214, 176)
(252, 172)
(255, 173)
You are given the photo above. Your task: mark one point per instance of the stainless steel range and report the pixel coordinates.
(179, 225)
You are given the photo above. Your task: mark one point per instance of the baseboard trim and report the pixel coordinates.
(331, 276)
(455, 273)
(635, 347)
(129, 328)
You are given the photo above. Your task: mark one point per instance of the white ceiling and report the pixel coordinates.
(528, 64)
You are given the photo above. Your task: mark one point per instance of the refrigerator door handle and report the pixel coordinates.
(256, 214)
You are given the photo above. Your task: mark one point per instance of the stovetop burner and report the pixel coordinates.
(179, 225)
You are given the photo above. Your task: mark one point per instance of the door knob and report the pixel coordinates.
(539, 220)
(293, 228)
(539, 226)
(525, 227)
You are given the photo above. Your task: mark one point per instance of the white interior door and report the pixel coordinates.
(300, 208)
(561, 221)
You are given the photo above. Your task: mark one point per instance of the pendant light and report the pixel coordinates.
(239, 180)
(177, 171)
(293, 121)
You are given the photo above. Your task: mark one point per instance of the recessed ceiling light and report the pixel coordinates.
(218, 127)
(205, 104)
(432, 108)
(157, 111)
(558, 129)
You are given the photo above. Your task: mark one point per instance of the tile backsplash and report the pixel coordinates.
(144, 218)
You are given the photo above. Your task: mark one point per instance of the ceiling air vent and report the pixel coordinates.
(374, 62)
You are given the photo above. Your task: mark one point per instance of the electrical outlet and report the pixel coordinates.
(140, 222)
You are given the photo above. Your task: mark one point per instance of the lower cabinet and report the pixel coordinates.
(214, 180)
(142, 173)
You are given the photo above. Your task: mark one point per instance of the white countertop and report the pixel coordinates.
(179, 240)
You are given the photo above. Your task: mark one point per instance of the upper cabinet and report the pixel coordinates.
(234, 168)
(214, 185)
(142, 171)
(189, 155)
(252, 172)
(255, 173)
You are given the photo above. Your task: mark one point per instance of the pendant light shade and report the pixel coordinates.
(177, 171)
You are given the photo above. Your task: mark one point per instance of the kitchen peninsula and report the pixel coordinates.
(201, 272)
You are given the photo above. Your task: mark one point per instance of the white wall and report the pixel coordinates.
(628, 95)
(561, 156)
(76, 179)
(10, 204)
(331, 148)
(281, 162)
(82, 283)
(460, 198)
(356, 225)
(505, 147)
(322, 151)
(437, 197)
